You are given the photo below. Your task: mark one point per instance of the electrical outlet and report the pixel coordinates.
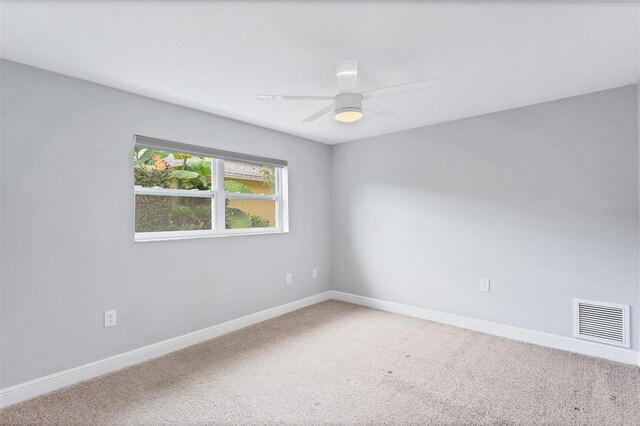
(485, 285)
(314, 273)
(110, 318)
(289, 278)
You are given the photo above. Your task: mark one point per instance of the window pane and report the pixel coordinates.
(166, 169)
(249, 213)
(161, 213)
(249, 178)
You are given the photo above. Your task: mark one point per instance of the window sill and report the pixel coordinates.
(144, 237)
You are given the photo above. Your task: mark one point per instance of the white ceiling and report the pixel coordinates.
(217, 56)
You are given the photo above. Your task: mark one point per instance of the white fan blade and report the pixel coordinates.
(417, 85)
(377, 109)
(294, 98)
(347, 75)
(323, 111)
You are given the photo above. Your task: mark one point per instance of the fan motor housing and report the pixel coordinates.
(348, 102)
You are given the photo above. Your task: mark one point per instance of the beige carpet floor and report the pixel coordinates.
(339, 363)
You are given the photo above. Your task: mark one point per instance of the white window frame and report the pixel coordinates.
(218, 195)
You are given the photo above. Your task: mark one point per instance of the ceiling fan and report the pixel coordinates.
(347, 103)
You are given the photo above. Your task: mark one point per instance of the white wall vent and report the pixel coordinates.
(601, 322)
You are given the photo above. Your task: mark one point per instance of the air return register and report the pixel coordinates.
(601, 322)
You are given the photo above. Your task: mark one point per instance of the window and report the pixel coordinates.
(184, 191)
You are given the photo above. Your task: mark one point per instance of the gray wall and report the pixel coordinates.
(521, 197)
(67, 227)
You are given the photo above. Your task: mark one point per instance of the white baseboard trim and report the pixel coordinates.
(36, 387)
(40, 386)
(570, 344)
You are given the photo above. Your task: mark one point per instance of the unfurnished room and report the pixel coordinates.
(319, 212)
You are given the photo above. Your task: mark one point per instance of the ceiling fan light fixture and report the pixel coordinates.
(348, 107)
(348, 115)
